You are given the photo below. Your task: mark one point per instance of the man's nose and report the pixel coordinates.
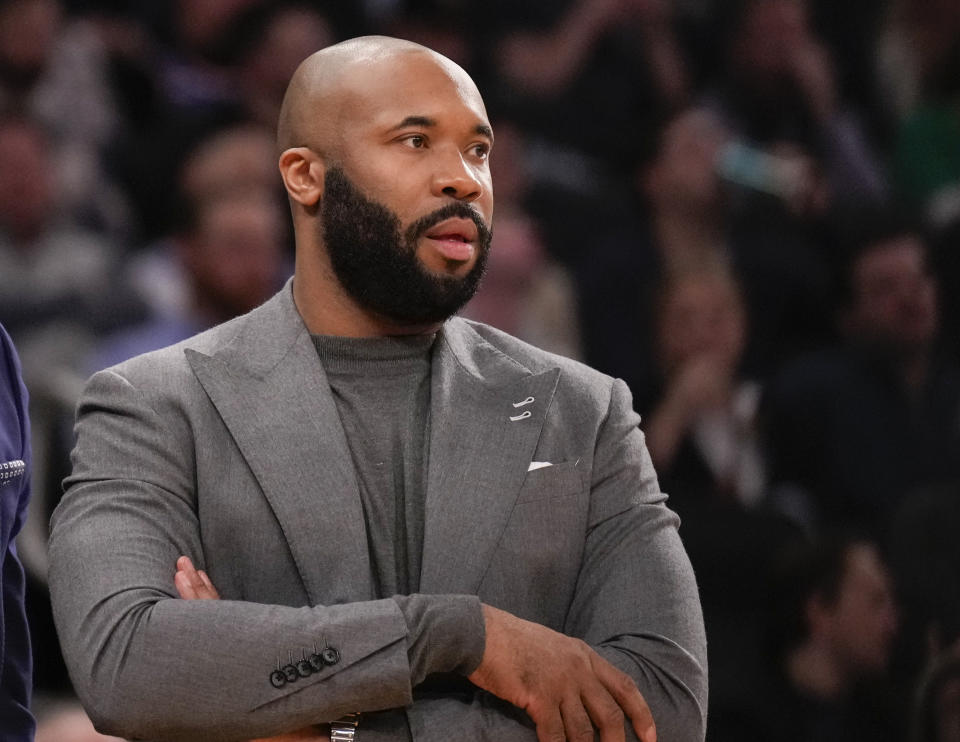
(457, 178)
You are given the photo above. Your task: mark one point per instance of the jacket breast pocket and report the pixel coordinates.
(555, 481)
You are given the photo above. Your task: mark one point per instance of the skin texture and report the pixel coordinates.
(409, 129)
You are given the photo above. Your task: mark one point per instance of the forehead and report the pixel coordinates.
(384, 91)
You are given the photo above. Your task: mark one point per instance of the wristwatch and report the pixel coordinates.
(344, 729)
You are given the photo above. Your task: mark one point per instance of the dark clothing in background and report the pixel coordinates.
(841, 426)
(863, 715)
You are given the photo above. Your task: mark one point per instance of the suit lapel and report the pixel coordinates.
(478, 455)
(272, 393)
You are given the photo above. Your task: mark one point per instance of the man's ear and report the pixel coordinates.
(303, 173)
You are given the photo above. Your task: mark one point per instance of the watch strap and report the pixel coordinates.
(344, 729)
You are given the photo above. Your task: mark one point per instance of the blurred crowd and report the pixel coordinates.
(747, 209)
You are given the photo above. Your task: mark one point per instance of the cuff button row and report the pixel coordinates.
(327, 657)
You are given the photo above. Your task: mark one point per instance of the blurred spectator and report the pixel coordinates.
(267, 42)
(524, 292)
(594, 76)
(780, 93)
(685, 220)
(220, 65)
(231, 255)
(54, 271)
(238, 158)
(701, 429)
(834, 622)
(852, 429)
(54, 70)
(937, 716)
(194, 72)
(923, 54)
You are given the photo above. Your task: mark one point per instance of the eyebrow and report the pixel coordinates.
(427, 122)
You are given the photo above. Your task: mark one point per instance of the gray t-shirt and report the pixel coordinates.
(381, 387)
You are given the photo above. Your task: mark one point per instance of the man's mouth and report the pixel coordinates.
(454, 239)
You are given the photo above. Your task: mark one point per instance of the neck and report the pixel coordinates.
(812, 668)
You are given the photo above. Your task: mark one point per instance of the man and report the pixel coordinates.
(852, 430)
(835, 622)
(230, 252)
(353, 510)
(16, 722)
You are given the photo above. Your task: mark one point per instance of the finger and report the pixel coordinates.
(625, 693)
(576, 721)
(198, 590)
(211, 592)
(184, 586)
(549, 725)
(605, 713)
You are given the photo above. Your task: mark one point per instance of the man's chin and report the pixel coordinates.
(437, 265)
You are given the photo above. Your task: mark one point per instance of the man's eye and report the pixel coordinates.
(417, 141)
(482, 151)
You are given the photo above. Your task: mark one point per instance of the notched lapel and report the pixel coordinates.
(484, 430)
(287, 427)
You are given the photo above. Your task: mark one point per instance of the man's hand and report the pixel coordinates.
(194, 584)
(567, 688)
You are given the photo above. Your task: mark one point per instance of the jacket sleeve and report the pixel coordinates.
(15, 719)
(636, 600)
(148, 665)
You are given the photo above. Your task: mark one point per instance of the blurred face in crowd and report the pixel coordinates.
(28, 32)
(683, 175)
(26, 186)
(200, 22)
(770, 33)
(234, 255)
(702, 315)
(241, 157)
(291, 35)
(861, 623)
(894, 297)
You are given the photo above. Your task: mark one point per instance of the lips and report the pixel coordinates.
(454, 238)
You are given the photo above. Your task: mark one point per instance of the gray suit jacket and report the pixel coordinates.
(228, 448)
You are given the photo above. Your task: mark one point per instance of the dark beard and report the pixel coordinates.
(377, 264)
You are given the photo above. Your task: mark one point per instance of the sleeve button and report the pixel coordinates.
(278, 679)
(290, 672)
(330, 656)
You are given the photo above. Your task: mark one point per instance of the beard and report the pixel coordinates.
(375, 259)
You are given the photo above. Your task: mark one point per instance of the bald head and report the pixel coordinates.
(318, 97)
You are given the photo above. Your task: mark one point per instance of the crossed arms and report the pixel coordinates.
(150, 665)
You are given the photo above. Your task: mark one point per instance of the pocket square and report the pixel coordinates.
(538, 465)
(11, 470)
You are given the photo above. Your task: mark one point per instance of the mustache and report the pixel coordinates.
(451, 210)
